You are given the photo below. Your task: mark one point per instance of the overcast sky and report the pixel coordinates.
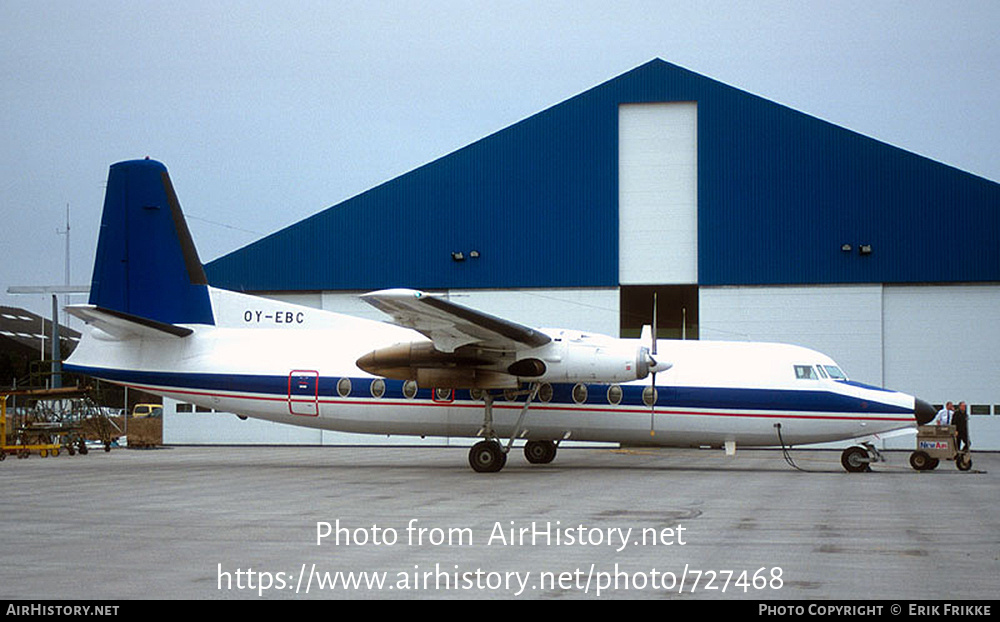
(268, 112)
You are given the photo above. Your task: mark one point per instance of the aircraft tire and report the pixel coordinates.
(540, 452)
(855, 459)
(487, 457)
(920, 461)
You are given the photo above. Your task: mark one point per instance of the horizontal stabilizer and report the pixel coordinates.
(124, 325)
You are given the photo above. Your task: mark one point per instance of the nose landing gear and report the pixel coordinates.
(855, 460)
(858, 459)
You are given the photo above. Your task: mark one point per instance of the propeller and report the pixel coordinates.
(652, 367)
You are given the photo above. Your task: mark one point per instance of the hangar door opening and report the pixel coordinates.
(676, 310)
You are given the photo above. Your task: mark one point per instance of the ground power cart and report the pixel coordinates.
(936, 443)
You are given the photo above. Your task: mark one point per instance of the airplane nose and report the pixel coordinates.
(923, 412)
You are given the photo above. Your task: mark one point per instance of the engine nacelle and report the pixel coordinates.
(569, 357)
(610, 361)
(465, 368)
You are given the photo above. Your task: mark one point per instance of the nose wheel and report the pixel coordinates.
(855, 460)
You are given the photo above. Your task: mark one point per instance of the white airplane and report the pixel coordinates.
(439, 368)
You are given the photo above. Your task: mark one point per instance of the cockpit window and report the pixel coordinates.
(822, 373)
(805, 372)
(835, 372)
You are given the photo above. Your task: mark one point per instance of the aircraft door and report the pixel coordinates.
(303, 392)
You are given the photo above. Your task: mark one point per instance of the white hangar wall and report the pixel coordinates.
(938, 342)
(842, 322)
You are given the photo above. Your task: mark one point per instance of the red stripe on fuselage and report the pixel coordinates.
(540, 406)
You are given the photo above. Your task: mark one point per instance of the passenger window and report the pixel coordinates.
(805, 372)
(649, 396)
(615, 394)
(580, 393)
(344, 387)
(409, 389)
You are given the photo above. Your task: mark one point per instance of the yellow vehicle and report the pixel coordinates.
(32, 438)
(147, 410)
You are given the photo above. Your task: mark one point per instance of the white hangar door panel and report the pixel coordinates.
(843, 322)
(658, 193)
(943, 342)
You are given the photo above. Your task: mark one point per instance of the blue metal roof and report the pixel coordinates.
(779, 193)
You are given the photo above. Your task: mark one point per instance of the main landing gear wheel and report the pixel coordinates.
(855, 460)
(540, 452)
(487, 457)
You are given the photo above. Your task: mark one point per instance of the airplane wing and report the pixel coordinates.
(448, 325)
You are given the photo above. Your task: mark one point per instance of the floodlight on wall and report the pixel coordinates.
(846, 248)
(458, 256)
(474, 254)
(865, 249)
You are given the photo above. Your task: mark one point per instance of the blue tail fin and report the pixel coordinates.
(147, 265)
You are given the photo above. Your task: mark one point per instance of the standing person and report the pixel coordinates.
(944, 415)
(960, 419)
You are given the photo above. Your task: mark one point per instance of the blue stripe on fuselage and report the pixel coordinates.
(780, 400)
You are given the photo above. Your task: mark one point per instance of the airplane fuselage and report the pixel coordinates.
(297, 365)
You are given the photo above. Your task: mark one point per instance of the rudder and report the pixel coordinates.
(147, 264)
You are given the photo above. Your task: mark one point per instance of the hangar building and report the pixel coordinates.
(751, 221)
